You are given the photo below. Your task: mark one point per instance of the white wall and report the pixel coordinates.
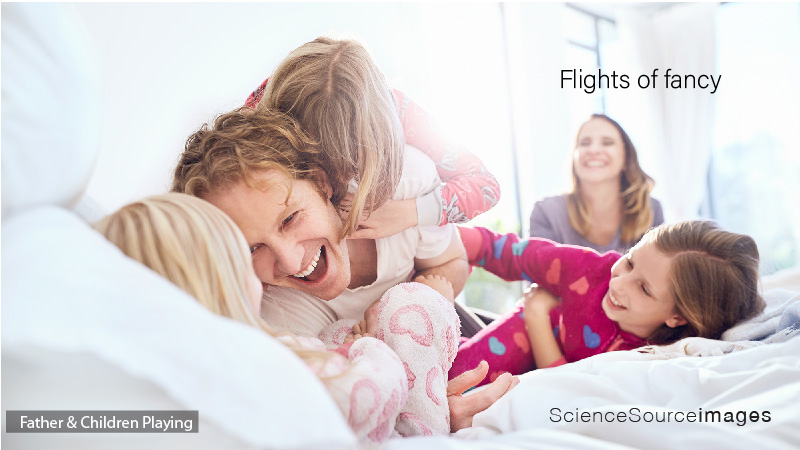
(167, 68)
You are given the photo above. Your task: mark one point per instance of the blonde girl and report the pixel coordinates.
(197, 247)
(340, 96)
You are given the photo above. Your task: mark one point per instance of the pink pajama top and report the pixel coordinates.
(579, 276)
(469, 189)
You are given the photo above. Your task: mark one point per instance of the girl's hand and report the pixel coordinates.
(538, 302)
(391, 218)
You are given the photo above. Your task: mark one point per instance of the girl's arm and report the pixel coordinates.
(469, 189)
(538, 303)
(535, 260)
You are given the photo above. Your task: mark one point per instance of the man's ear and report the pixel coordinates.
(676, 321)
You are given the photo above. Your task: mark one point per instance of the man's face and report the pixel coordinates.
(293, 242)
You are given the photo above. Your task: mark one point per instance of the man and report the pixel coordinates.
(264, 172)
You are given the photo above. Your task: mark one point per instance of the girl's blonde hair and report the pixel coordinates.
(635, 188)
(194, 245)
(338, 94)
(714, 278)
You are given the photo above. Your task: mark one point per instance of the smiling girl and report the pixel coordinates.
(681, 280)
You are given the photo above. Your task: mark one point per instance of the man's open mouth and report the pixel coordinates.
(316, 268)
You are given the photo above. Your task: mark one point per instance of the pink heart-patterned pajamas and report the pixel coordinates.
(400, 385)
(579, 276)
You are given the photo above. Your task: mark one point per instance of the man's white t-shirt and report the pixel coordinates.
(290, 309)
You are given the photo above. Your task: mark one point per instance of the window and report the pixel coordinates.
(583, 32)
(754, 177)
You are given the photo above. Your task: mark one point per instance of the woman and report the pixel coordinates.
(610, 207)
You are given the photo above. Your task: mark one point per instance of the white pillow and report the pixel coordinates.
(72, 303)
(66, 289)
(50, 123)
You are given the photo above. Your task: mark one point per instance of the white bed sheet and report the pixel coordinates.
(761, 380)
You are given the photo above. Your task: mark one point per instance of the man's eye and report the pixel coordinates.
(288, 219)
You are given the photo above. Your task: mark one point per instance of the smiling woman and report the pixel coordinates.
(610, 206)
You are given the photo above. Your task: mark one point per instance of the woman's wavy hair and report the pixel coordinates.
(341, 98)
(714, 278)
(635, 188)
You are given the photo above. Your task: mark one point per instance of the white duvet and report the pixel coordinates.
(657, 397)
(747, 397)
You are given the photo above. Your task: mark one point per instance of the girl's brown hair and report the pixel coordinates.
(635, 188)
(338, 94)
(714, 278)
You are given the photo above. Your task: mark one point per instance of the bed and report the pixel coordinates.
(86, 329)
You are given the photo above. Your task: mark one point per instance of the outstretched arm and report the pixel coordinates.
(469, 188)
(534, 260)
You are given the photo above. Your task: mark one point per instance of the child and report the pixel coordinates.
(197, 247)
(423, 329)
(338, 94)
(681, 280)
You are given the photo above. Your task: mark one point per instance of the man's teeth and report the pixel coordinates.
(311, 266)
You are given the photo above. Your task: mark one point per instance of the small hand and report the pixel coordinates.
(463, 408)
(391, 218)
(539, 302)
(439, 284)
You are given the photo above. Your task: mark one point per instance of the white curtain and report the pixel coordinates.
(675, 124)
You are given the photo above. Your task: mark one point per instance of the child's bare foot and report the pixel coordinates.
(369, 323)
(352, 337)
(439, 284)
(359, 330)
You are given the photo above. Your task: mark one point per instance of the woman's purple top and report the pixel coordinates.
(549, 220)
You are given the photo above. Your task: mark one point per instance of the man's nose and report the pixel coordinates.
(288, 256)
